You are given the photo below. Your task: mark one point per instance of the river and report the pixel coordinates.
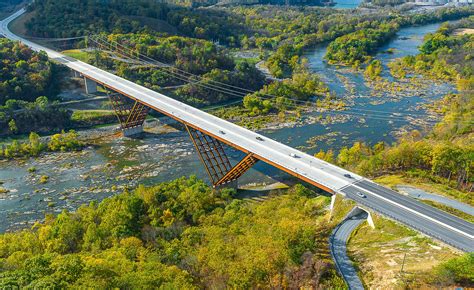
(114, 163)
(347, 4)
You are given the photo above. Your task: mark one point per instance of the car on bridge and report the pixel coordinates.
(360, 194)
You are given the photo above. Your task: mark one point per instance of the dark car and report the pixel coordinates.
(259, 138)
(347, 175)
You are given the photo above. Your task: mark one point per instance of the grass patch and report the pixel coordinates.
(243, 117)
(77, 54)
(342, 206)
(87, 115)
(252, 60)
(88, 118)
(379, 253)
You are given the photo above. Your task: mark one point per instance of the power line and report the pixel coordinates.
(354, 114)
(54, 39)
(265, 96)
(186, 76)
(198, 82)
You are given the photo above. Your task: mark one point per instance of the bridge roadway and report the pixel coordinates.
(428, 220)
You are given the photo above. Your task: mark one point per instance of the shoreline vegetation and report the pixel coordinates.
(35, 146)
(279, 34)
(182, 233)
(444, 155)
(440, 162)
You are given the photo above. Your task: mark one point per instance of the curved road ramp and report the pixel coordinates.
(338, 244)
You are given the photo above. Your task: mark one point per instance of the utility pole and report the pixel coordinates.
(403, 265)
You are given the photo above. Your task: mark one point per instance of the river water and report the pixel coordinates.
(114, 163)
(347, 4)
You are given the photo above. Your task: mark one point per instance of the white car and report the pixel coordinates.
(360, 194)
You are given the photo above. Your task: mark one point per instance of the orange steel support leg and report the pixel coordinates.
(131, 114)
(238, 170)
(215, 160)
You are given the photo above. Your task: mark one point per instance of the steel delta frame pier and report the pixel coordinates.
(131, 114)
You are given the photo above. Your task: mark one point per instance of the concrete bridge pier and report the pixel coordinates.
(358, 210)
(232, 184)
(130, 114)
(333, 203)
(129, 132)
(76, 74)
(91, 86)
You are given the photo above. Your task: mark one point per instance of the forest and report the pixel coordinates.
(182, 233)
(26, 78)
(177, 234)
(260, 26)
(25, 74)
(356, 48)
(279, 34)
(444, 55)
(198, 68)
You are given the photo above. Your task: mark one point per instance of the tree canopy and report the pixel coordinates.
(177, 234)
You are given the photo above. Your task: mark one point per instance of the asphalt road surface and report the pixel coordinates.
(433, 222)
(338, 244)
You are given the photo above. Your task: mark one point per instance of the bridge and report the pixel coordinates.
(209, 133)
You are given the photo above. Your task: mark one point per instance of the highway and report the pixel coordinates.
(331, 178)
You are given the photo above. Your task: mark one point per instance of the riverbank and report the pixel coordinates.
(164, 153)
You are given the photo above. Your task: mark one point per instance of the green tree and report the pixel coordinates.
(35, 145)
(12, 126)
